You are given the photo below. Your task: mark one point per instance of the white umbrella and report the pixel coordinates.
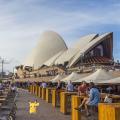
(97, 77)
(115, 80)
(73, 77)
(58, 77)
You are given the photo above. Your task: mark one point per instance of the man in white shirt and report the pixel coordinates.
(70, 87)
(44, 84)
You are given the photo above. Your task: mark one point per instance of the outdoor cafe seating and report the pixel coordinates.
(8, 105)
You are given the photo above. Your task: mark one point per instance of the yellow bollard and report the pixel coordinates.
(76, 100)
(109, 111)
(28, 88)
(43, 93)
(65, 102)
(48, 95)
(32, 89)
(36, 90)
(40, 92)
(54, 98)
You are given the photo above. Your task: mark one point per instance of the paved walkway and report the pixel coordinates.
(45, 110)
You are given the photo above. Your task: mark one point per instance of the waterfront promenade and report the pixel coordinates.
(45, 110)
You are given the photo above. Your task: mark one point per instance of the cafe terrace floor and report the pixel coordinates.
(45, 110)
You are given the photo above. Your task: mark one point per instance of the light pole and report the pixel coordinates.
(3, 61)
(2, 65)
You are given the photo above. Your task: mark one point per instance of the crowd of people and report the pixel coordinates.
(11, 86)
(91, 92)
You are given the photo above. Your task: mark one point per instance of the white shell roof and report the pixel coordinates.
(69, 54)
(49, 45)
(94, 42)
(83, 41)
(52, 49)
(52, 60)
(66, 56)
(87, 47)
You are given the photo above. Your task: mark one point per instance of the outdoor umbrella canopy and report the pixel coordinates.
(58, 77)
(97, 77)
(73, 77)
(114, 81)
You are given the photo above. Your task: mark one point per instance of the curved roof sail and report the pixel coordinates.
(83, 41)
(52, 50)
(49, 45)
(88, 47)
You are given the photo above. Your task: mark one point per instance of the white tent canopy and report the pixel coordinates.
(58, 77)
(73, 77)
(115, 80)
(97, 77)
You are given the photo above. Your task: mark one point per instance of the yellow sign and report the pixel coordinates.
(33, 107)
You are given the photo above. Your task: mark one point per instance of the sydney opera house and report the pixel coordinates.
(53, 51)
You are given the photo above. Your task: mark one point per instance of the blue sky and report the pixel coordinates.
(22, 22)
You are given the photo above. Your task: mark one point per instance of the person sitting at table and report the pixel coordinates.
(82, 89)
(108, 98)
(70, 87)
(109, 89)
(58, 88)
(92, 100)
